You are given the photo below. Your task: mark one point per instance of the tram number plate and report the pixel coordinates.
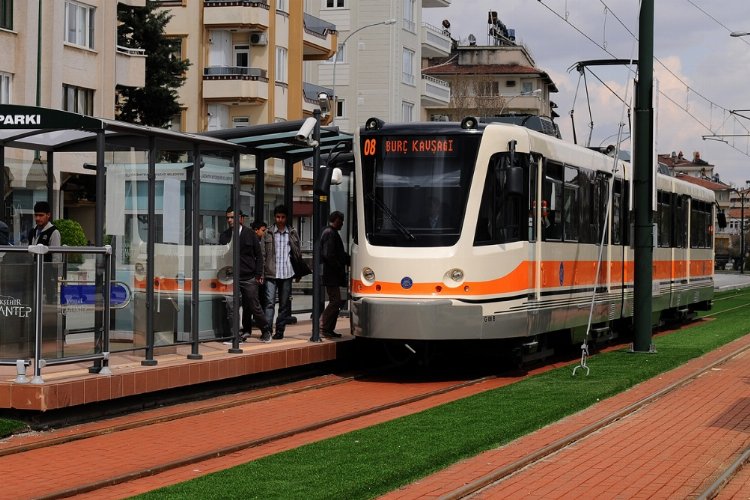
(489, 319)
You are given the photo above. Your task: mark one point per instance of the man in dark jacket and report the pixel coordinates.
(250, 276)
(335, 259)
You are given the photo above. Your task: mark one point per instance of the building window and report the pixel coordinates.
(334, 4)
(78, 100)
(6, 14)
(527, 87)
(281, 65)
(282, 6)
(340, 108)
(240, 121)
(407, 71)
(409, 23)
(407, 111)
(5, 80)
(338, 56)
(175, 123)
(79, 24)
(242, 56)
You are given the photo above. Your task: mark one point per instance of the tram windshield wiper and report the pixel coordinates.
(392, 217)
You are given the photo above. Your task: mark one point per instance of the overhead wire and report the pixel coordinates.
(689, 89)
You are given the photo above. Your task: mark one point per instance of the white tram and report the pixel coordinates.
(493, 231)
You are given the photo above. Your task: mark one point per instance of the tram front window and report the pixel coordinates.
(415, 189)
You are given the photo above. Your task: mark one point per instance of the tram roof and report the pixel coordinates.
(45, 129)
(278, 140)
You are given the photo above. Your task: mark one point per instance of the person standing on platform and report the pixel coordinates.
(260, 228)
(279, 242)
(44, 232)
(334, 259)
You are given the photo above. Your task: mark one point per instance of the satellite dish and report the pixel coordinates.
(446, 24)
(472, 40)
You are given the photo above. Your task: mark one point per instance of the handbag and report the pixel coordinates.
(299, 265)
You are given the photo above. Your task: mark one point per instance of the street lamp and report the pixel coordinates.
(739, 33)
(535, 93)
(335, 60)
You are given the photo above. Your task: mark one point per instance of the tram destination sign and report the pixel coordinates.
(410, 146)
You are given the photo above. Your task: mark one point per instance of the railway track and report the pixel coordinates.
(483, 486)
(87, 439)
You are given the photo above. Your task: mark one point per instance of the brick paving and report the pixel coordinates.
(675, 447)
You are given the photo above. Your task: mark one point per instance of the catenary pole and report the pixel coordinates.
(643, 179)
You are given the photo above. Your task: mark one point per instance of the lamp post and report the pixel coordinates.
(335, 60)
(739, 33)
(535, 93)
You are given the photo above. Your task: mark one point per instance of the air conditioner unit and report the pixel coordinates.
(258, 38)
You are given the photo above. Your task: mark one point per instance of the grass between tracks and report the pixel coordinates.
(379, 459)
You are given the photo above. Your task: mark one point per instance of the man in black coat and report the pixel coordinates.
(250, 276)
(335, 259)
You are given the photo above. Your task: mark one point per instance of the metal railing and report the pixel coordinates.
(39, 252)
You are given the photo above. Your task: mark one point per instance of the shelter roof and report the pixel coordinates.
(278, 140)
(44, 129)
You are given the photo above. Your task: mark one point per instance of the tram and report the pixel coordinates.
(479, 231)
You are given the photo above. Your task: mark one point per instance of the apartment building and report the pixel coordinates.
(60, 54)
(246, 61)
(376, 70)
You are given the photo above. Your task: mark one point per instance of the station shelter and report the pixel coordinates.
(156, 218)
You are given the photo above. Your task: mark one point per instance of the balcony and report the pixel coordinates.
(435, 93)
(435, 3)
(320, 39)
(130, 67)
(435, 43)
(243, 14)
(235, 84)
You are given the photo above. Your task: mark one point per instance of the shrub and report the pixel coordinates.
(72, 235)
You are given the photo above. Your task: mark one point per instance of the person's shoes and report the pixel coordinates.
(278, 335)
(245, 336)
(330, 334)
(266, 336)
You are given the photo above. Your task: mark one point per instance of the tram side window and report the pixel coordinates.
(664, 219)
(700, 225)
(601, 199)
(680, 222)
(502, 213)
(570, 207)
(552, 196)
(617, 213)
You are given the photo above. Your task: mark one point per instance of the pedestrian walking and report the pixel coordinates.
(279, 242)
(334, 259)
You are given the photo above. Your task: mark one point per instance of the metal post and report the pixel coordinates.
(316, 229)
(99, 214)
(235, 348)
(150, 250)
(195, 288)
(38, 305)
(105, 370)
(742, 233)
(643, 182)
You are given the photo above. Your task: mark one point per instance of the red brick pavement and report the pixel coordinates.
(674, 447)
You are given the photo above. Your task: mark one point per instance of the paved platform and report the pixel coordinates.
(677, 446)
(72, 384)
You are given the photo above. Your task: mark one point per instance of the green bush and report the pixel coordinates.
(72, 235)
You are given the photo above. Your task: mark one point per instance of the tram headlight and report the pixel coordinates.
(453, 277)
(368, 276)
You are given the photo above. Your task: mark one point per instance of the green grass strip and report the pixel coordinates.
(373, 461)
(8, 427)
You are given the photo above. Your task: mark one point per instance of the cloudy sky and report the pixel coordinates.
(702, 72)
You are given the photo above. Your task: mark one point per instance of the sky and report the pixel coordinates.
(700, 71)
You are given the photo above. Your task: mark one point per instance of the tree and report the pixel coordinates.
(156, 103)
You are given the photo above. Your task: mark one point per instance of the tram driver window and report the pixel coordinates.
(552, 203)
(503, 210)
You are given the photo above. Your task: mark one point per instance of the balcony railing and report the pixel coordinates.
(242, 72)
(232, 3)
(130, 52)
(317, 26)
